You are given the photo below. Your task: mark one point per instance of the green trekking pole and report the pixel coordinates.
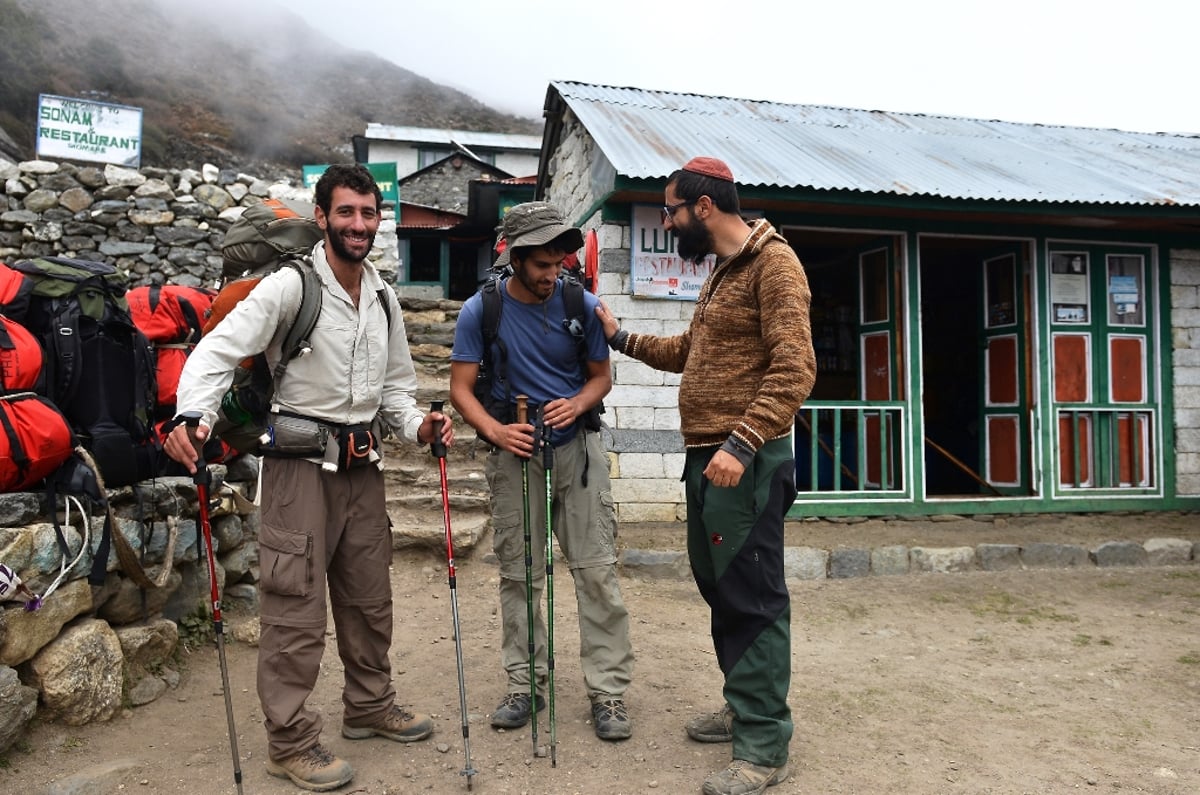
(523, 418)
(548, 466)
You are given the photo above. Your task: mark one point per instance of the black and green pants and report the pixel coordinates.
(735, 545)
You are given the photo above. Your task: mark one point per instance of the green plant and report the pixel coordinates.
(196, 629)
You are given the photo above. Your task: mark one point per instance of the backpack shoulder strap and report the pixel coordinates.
(296, 341)
(573, 322)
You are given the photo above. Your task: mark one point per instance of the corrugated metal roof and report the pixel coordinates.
(648, 134)
(468, 138)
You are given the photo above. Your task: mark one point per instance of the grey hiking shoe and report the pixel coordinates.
(744, 778)
(316, 769)
(399, 724)
(513, 711)
(715, 727)
(610, 719)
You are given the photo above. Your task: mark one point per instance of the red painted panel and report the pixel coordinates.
(1132, 451)
(1072, 369)
(1003, 450)
(1002, 371)
(1066, 449)
(1127, 367)
(875, 459)
(877, 364)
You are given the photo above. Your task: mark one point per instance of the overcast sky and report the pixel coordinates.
(1129, 65)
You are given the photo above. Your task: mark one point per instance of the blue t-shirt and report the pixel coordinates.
(542, 362)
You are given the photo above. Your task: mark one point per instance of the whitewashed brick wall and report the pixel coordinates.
(646, 450)
(1185, 360)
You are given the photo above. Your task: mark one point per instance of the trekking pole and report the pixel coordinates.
(203, 479)
(438, 448)
(523, 418)
(548, 466)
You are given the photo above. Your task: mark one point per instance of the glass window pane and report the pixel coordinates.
(1126, 296)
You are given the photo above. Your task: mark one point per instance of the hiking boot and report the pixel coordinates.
(610, 719)
(316, 769)
(716, 727)
(513, 711)
(398, 724)
(744, 778)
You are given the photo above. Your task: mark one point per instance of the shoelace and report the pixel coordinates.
(319, 755)
(615, 710)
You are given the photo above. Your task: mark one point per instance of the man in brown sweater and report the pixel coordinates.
(747, 363)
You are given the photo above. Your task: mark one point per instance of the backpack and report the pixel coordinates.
(266, 237)
(493, 303)
(98, 367)
(172, 318)
(35, 439)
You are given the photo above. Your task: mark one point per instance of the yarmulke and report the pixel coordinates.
(709, 167)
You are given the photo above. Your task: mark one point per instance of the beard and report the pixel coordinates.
(343, 252)
(693, 240)
(531, 284)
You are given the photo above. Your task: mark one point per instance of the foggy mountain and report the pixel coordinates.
(240, 84)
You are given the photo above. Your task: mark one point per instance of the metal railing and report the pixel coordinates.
(850, 448)
(1106, 448)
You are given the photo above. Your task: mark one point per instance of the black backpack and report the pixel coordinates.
(99, 368)
(493, 303)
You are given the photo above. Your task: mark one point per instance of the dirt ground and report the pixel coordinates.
(1039, 681)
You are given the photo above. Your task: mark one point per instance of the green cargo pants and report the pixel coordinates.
(735, 545)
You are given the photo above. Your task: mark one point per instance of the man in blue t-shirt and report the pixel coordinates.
(534, 354)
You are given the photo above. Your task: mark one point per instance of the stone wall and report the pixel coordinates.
(1185, 358)
(154, 225)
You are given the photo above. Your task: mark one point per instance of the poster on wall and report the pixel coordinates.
(98, 132)
(656, 270)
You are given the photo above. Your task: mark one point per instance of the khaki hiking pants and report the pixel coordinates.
(322, 528)
(584, 523)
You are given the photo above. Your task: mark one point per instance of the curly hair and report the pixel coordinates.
(354, 176)
(690, 186)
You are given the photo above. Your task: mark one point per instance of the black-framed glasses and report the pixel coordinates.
(669, 209)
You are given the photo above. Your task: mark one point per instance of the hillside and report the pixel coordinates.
(243, 85)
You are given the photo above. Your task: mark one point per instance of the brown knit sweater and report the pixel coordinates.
(747, 357)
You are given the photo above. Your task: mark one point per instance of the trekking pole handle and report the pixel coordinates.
(547, 448)
(190, 420)
(437, 447)
(523, 409)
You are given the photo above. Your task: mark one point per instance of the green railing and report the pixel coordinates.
(850, 448)
(1106, 448)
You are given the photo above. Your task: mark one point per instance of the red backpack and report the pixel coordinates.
(36, 438)
(172, 317)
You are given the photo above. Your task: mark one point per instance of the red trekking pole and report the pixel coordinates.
(439, 451)
(203, 480)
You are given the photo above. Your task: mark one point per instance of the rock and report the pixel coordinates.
(29, 632)
(101, 777)
(79, 673)
(148, 646)
(18, 704)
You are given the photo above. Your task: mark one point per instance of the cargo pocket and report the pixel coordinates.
(508, 542)
(285, 561)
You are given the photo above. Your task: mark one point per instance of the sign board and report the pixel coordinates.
(384, 174)
(79, 129)
(656, 269)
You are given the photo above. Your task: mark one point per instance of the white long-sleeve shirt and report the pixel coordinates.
(358, 367)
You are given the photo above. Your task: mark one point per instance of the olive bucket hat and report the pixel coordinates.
(535, 224)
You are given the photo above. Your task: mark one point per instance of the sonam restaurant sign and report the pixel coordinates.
(79, 129)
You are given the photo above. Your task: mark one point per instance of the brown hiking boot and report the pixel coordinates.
(316, 769)
(399, 724)
(744, 778)
(715, 727)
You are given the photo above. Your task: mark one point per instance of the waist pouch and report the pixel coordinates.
(357, 445)
(340, 447)
(295, 436)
